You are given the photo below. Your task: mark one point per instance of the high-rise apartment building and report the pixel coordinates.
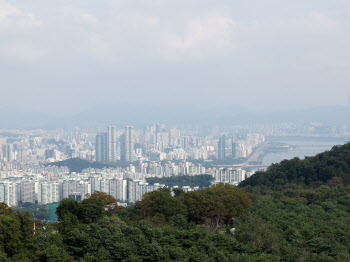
(222, 147)
(49, 192)
(127, 144)
(101, 147)
(27, 191)
(7, 151)
(111, 143)
(10, 193)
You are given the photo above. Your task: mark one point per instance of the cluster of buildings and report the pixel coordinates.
(154, 143)
(153, 152)
(158, 143)
(239, 148)
(46, 185)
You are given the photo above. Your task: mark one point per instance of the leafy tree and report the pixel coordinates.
(178, 192)
(110, 204)
(67, 206)
(179, 221)
(216, 205)
(5, 210)
(10, 235)
(252, 228)
(56, 254)
(90, 210)
(113, 224)
(67, 223)
(159, 204)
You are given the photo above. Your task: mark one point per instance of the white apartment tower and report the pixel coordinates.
(127, 144)
(10, 193)
(111, 143)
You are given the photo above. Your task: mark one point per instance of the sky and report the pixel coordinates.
(64, 57)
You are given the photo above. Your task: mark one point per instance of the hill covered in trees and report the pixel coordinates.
(77, 164)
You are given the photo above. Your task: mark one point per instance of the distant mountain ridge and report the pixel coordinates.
(139, 115)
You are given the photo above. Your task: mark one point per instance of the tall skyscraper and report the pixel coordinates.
(221, 147)
(101, 147)
(111, 143)
(127, 144)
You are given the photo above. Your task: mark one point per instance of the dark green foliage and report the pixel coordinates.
(10, 235)
(5, 210)
(216, 205)
(107, 238)
(192, 181)
(212, 206)
(147, 243)
(113, 224)
(67, 223)
(318, 231)
(253, 228)
(158, 206)
(36, 211)
(67, 206)
(110, 204)
(56, 254)
(179, 221)
(178, 192)
(90, 210)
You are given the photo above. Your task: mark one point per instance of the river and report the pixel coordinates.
(302, 146)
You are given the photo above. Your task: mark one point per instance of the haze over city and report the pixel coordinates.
(61, 58)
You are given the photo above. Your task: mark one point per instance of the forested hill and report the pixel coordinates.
(331, 166)
(77, 164)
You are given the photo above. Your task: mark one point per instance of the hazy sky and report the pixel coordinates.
(63, 56)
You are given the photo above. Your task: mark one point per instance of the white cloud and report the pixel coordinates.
(86, 19)
(207, 35)
(99, 47)
(12, 17)
(316, 21)
(22, 51)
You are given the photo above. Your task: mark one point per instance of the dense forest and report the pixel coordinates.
(192, 181)
(298, 210)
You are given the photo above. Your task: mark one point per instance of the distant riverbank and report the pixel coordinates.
(300, 147)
